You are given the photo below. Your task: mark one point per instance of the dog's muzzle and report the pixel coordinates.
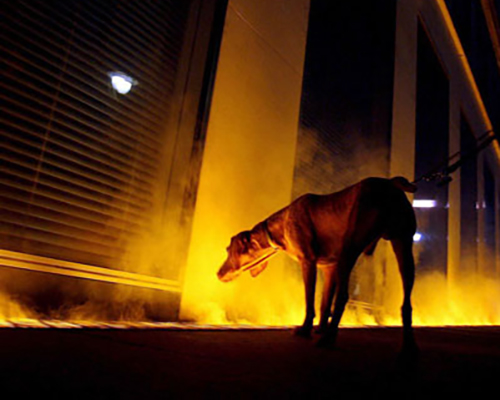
(226, 273)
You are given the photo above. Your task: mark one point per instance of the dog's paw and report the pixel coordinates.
(320, 330)
(303, 331)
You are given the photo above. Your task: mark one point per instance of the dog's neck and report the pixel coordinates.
(269, 233)
(269, 238)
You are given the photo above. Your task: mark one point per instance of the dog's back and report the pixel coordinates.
(358, 215)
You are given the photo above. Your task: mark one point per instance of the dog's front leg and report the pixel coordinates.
(309, 276)
(326, 301)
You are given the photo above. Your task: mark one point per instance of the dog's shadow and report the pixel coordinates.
(405, 371)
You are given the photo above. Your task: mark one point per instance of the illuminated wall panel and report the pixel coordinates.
(249, 155)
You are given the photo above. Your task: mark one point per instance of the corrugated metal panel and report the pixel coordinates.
(79, 161)
(347, 95)
(346, 107)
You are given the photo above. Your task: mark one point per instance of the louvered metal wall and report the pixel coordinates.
(80, 163)
(346, 104)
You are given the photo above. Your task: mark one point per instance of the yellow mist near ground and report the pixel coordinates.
(273, 298)
(472, 301)
(10, 309)
(86, 301)
(276, 297)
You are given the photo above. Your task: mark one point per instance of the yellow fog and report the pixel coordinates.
(247, 175)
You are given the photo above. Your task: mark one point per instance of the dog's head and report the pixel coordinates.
(244, 254)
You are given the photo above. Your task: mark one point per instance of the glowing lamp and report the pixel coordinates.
(424, 203)
(121, 82)
(417, 237)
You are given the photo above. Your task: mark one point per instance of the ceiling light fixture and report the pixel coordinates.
(424, 203)
(121, 82)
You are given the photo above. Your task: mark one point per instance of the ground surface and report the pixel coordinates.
(139, 364)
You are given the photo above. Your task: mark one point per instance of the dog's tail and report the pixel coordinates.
(404, 184)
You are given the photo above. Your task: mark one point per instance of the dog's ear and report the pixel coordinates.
(255, 244)
(258, 269)
(242, 241)
(245, 238)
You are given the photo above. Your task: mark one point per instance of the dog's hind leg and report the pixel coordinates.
(403, 249)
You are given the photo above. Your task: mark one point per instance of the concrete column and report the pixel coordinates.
(497, 227)
(405, 87)
(454, 215)
(249, 155)
(482, 261)
(402, 161)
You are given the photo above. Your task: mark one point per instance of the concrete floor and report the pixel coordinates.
(133, 364)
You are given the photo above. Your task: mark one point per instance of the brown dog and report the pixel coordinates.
(330, 232)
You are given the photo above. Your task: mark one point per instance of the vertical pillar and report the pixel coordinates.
(497, 228)
(249, 154)
(405, 87)
(403, 128)
(482, 261)
(454, 214)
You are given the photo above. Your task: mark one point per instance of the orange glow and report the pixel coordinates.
(280, 305)
(472, 302)
(278, 299)
(247, 174)
(12, 310)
